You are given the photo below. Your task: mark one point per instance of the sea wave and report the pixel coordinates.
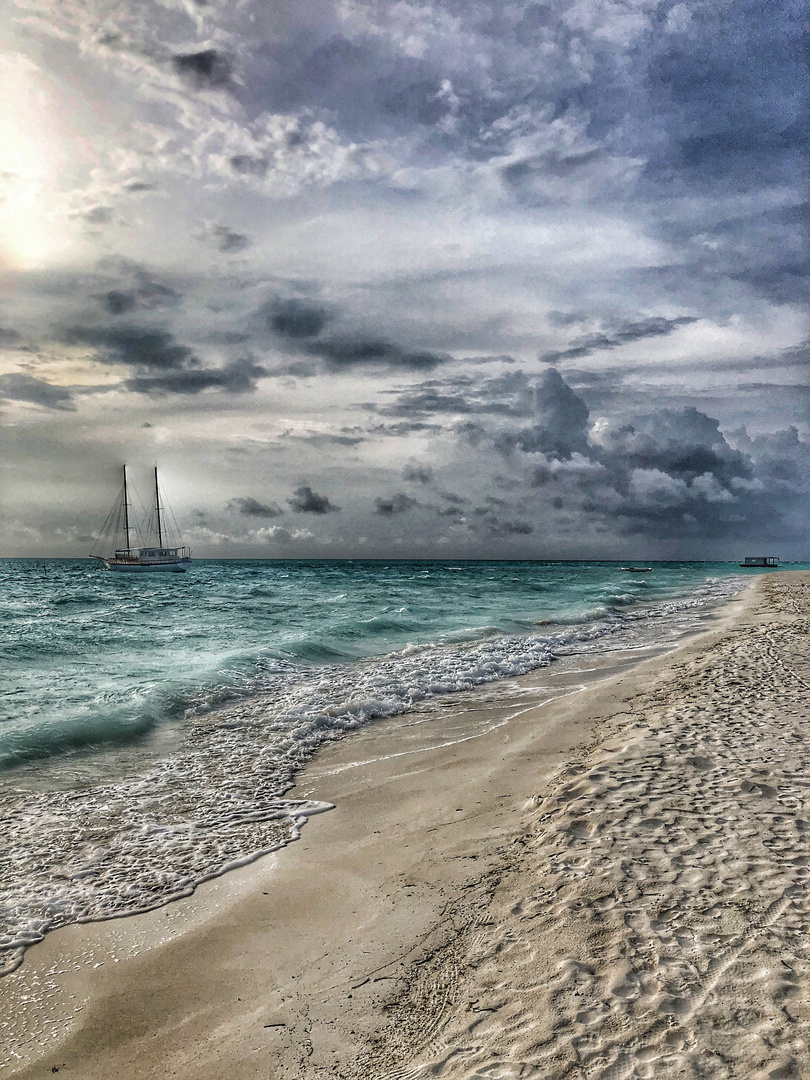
(129, 846)
(73, 733)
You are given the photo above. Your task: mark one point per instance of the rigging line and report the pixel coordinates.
(142, 520)
(104, 532)
(176, 527)
(171, 530)
(157, 509)
(126, 510)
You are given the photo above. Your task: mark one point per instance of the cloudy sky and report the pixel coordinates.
(407, 278)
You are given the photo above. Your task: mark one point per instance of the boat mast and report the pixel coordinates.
(126, 509)
(157, 510)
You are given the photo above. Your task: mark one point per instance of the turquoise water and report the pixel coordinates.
(94, 659)
(150, 724)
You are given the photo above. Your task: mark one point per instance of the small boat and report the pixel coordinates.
(637, 569)
(752, 562)
(161, 555)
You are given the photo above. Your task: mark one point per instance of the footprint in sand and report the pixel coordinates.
(756, 787)
(702, 764)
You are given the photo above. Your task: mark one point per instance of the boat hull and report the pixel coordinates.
(178, 567)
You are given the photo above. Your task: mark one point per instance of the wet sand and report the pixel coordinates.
(609, 884)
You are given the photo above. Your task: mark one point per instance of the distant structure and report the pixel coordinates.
(753, 561)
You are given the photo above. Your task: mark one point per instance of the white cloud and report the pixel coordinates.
(279, 534)
(654, 486)
(706, 486)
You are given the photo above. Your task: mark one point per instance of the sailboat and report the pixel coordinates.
(172, 559)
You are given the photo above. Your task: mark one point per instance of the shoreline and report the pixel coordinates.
(424, 835)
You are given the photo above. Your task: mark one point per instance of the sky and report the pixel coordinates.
(407, 278)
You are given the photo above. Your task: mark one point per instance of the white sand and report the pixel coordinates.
(610, 885)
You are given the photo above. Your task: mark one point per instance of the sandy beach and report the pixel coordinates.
(596, 871)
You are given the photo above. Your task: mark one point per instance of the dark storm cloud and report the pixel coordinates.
(299, 319)
(135, 345)
(205, 70)
(427, 401)
(730, 91)
(153, 294)
(509, 394)
(145, 295)
(118, 302)
(780, 282)
(238, 377)
(472, 433)
(657, 472)
(737, 257)
(565, 164)
(558, 410)
(684, 444)
(795, 356)
(562, 421)
(419, 474)
(341, 353)
(166, 367)
(657, 326)
(19, 387)
(683, 97)
(8, 337)
(306, 501)
(251, 508)
(394, 504)
(404, 428)
(466, 92)
(668, 472)
(781, 459)
(491, 521)
(373, 85)
(454, 506)
(296, 318)
(229, 241)
(496, 528)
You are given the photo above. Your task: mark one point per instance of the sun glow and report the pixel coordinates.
(32, 232)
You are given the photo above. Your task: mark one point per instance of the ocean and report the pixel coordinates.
(150, 725)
